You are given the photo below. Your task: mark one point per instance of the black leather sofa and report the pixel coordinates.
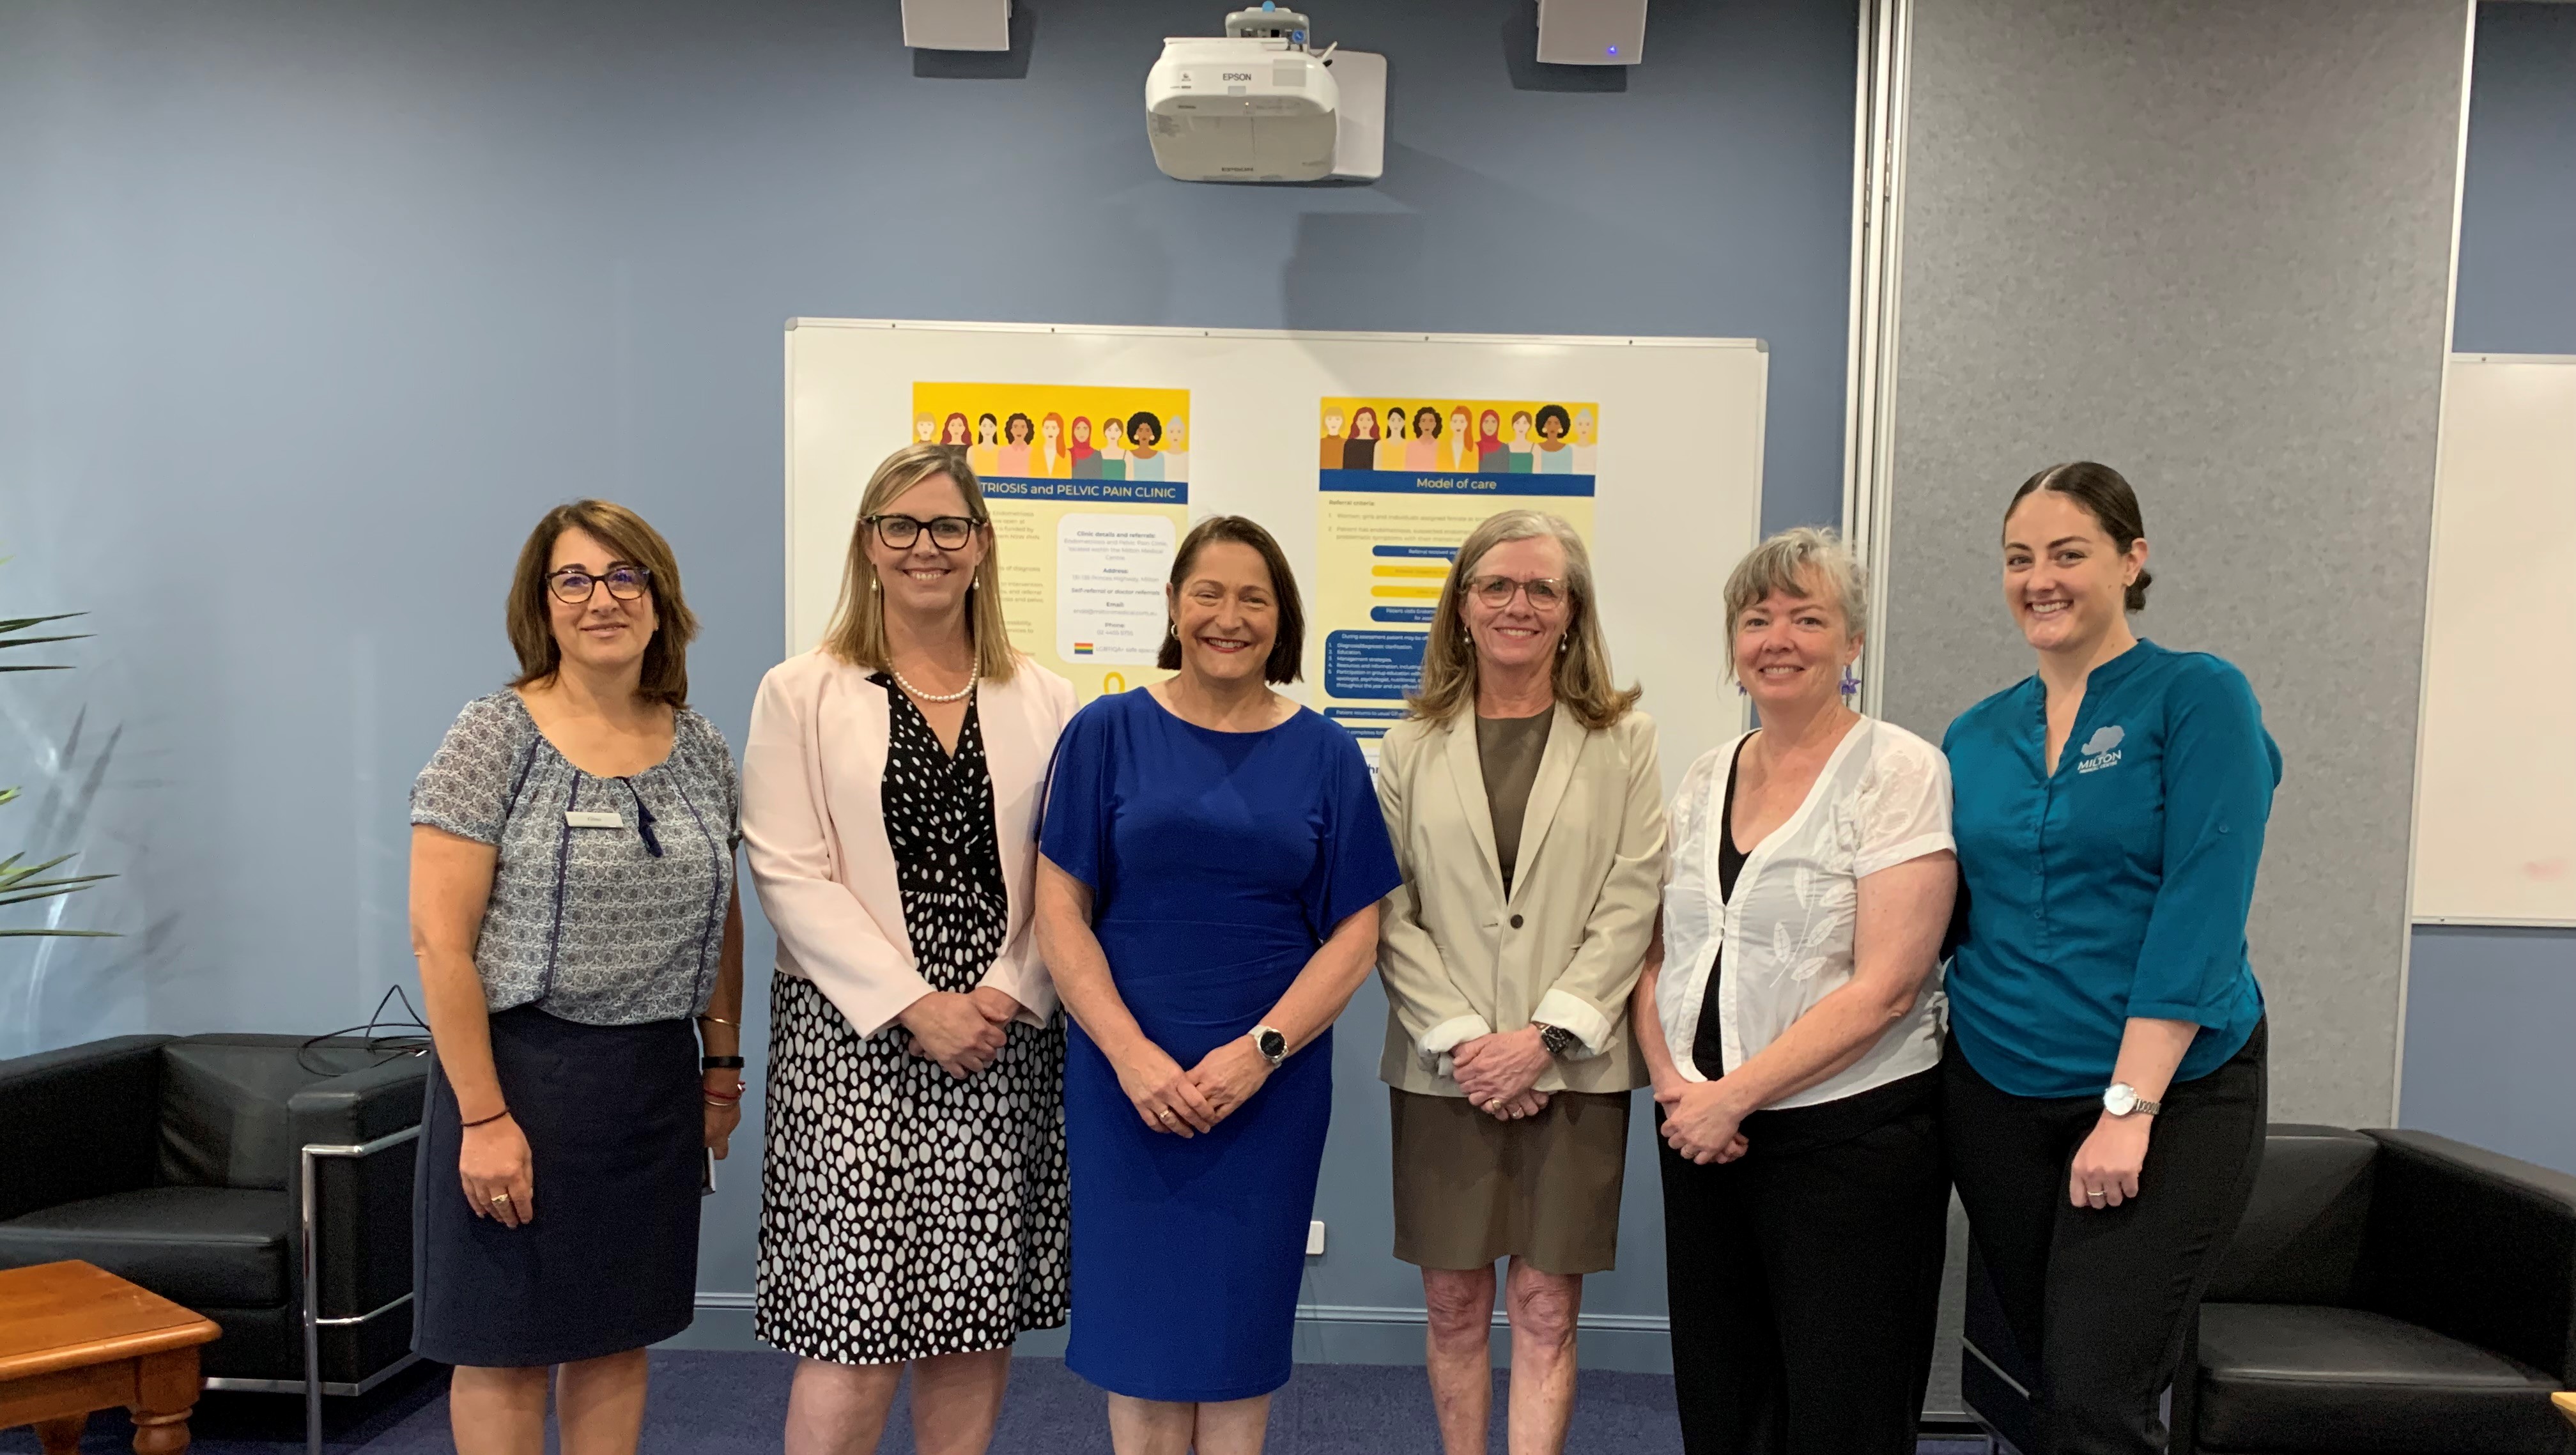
(2395, 1293)
(179, 1162)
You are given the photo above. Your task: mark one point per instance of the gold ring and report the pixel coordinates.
(500, 1197)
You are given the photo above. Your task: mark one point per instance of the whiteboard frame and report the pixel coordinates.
(2424, 681)
(1759, 441)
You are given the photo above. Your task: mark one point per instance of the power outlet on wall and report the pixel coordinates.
(1315, 1240)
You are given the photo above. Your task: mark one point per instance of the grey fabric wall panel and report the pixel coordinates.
(2208, 243)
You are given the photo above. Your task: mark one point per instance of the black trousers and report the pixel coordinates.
(2101, 1300)
(1804, 1278)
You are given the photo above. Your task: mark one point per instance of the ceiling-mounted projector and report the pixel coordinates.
(1257, 105)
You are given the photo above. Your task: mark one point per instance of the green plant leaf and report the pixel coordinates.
(33, 895)
(6, 642)
(31, 667)
(10, 874)
(21, 623)
(65, 934)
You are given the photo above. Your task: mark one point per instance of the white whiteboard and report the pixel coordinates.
(2495, 785)
(1680, 479)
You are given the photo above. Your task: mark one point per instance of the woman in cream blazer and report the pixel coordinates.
(892, 781)
(1526, 806)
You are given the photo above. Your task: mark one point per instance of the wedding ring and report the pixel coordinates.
(1165, 1115)
(499, 1198)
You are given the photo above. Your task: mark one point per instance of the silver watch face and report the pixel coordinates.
(1274, 1046)
(2120, 1100)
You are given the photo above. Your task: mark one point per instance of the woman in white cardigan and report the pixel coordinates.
(914, 1205)
(1527, 811)
(1789, 1019)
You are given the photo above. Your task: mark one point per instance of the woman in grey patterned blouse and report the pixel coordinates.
(573, 910)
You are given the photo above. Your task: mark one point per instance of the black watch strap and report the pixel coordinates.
(1558, 1040)
(719, 1063)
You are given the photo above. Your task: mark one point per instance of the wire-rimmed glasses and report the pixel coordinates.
(1545, 593)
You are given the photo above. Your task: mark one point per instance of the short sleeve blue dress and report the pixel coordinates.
(1218, 863)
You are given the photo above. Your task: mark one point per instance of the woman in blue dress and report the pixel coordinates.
(1207, 902)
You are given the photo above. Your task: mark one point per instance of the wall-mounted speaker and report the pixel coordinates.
(958, 25)
(1590, 32)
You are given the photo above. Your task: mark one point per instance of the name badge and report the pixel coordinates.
(583, 818)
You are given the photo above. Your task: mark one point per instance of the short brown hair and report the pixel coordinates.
(857, 634)
(628, 538)
(1581, 677)
(2114, 506)
(1287, 660)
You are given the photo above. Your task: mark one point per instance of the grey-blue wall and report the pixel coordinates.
(2487, 1009)
(308, 309)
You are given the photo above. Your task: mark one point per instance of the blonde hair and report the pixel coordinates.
(1582, 676)
(1796, 561)
(629, 538)
(857, 634)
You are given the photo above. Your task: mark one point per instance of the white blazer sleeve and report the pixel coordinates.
(1018, 972)
(828, 934)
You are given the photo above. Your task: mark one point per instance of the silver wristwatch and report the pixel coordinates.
(1271, 1044)
(2120, 1099)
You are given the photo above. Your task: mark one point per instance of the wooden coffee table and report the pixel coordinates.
(75, 1338)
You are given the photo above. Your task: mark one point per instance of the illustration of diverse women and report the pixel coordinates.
(1113, 449)
(1176, 449)
(1018, 433)
(1585, 447)
(1213, 858)
(1359, 452)
(1049, 459)
(984, 457)
(1492, 455)
(1555, 456)
(1144, 434)
(1329, 456)
(1461, 455)
(1390, 448)
(956, 431)
(924, 428)
(1424, 451)
(1086, 460)
(1523, 449)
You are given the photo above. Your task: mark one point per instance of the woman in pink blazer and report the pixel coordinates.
(890, 789)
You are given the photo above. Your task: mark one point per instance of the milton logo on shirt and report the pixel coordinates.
(2102, 750)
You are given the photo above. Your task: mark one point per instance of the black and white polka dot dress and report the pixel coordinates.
(904, 1213)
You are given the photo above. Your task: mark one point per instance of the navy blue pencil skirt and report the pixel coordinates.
(616, 1138)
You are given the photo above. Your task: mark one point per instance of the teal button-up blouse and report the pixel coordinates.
(2117, 886)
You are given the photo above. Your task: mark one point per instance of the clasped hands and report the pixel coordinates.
(1500, 1072)
(963, 1033)
(1186, 1103)
(1701, 1120)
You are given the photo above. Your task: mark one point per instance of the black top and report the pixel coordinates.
(1708, 1039)
(947, 862)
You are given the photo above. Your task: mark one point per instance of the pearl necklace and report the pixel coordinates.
(957, 696)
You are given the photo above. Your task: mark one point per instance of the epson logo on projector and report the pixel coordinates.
(1238, 75)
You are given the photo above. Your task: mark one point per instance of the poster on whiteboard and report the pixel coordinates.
(1402, 482)
(1089, 493)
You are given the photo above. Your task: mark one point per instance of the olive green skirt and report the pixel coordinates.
(1470, 1189)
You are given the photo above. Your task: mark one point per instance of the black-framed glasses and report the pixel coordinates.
(1545, 593)
(948, 532)
(572, 585)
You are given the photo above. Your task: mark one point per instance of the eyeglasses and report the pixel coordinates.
(1545, 593)
(948, 532)
(573, 585)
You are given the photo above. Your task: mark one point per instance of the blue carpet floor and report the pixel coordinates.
(732, 1404)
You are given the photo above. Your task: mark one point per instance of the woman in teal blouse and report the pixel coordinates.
(2104, 1081)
